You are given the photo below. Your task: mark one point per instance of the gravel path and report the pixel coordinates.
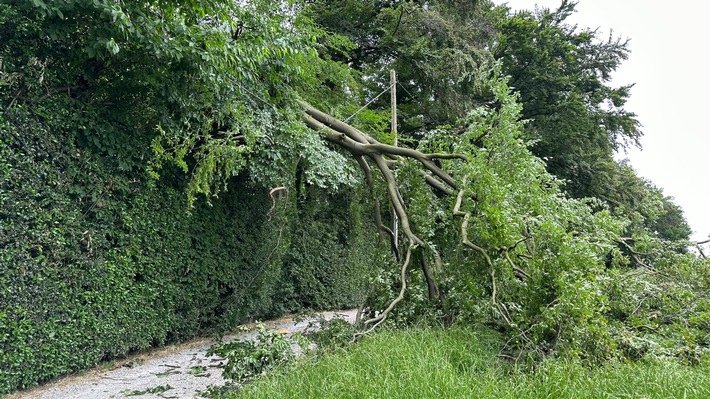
(185, 369)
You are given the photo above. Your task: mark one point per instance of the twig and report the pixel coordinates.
(13, 101)
(464, 239)
(273, 200)
(635, 257)
(403, 288)
(520, 273)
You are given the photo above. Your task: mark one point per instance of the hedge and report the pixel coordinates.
(97, 261)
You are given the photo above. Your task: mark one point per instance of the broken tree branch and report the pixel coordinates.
(357, 141)
(377, 320)
(369, 154)
(491, 267)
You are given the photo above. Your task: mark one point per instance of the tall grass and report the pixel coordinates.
(435, 363)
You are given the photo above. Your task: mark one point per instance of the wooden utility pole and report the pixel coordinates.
(393, 102)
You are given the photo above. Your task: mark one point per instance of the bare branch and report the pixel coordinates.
(435, 183)
(364, 144)
(635, 256)
(365, 168)
(491, 268)
(395, 198)
(464, 228)
(13, 101)
(446, 156)
(432, 288)
(334, 123)
(519, 273)
(414, 154)
(365, 148)
(403, 289)
(623, 241)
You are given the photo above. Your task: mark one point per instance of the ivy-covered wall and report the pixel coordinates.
(97, 261)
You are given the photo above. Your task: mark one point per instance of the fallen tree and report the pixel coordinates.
(369, 152)
(514, 227)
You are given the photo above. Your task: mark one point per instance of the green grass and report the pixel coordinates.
(458, 363)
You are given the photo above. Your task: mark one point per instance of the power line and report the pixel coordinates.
(370, 102)
(405, 89)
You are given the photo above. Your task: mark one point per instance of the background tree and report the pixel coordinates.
(576, 119)
(562, 74)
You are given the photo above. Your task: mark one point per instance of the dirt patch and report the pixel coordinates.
(172, 372)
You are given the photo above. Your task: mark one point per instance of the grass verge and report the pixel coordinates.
(458, 363)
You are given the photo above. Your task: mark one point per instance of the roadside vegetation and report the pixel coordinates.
(465, 363)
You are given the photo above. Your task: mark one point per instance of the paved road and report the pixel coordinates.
(185, 368)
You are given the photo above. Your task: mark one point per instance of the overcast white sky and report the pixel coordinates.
(669, 46)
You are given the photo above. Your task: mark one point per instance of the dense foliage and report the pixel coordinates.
(97, 259)
(157, 179)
